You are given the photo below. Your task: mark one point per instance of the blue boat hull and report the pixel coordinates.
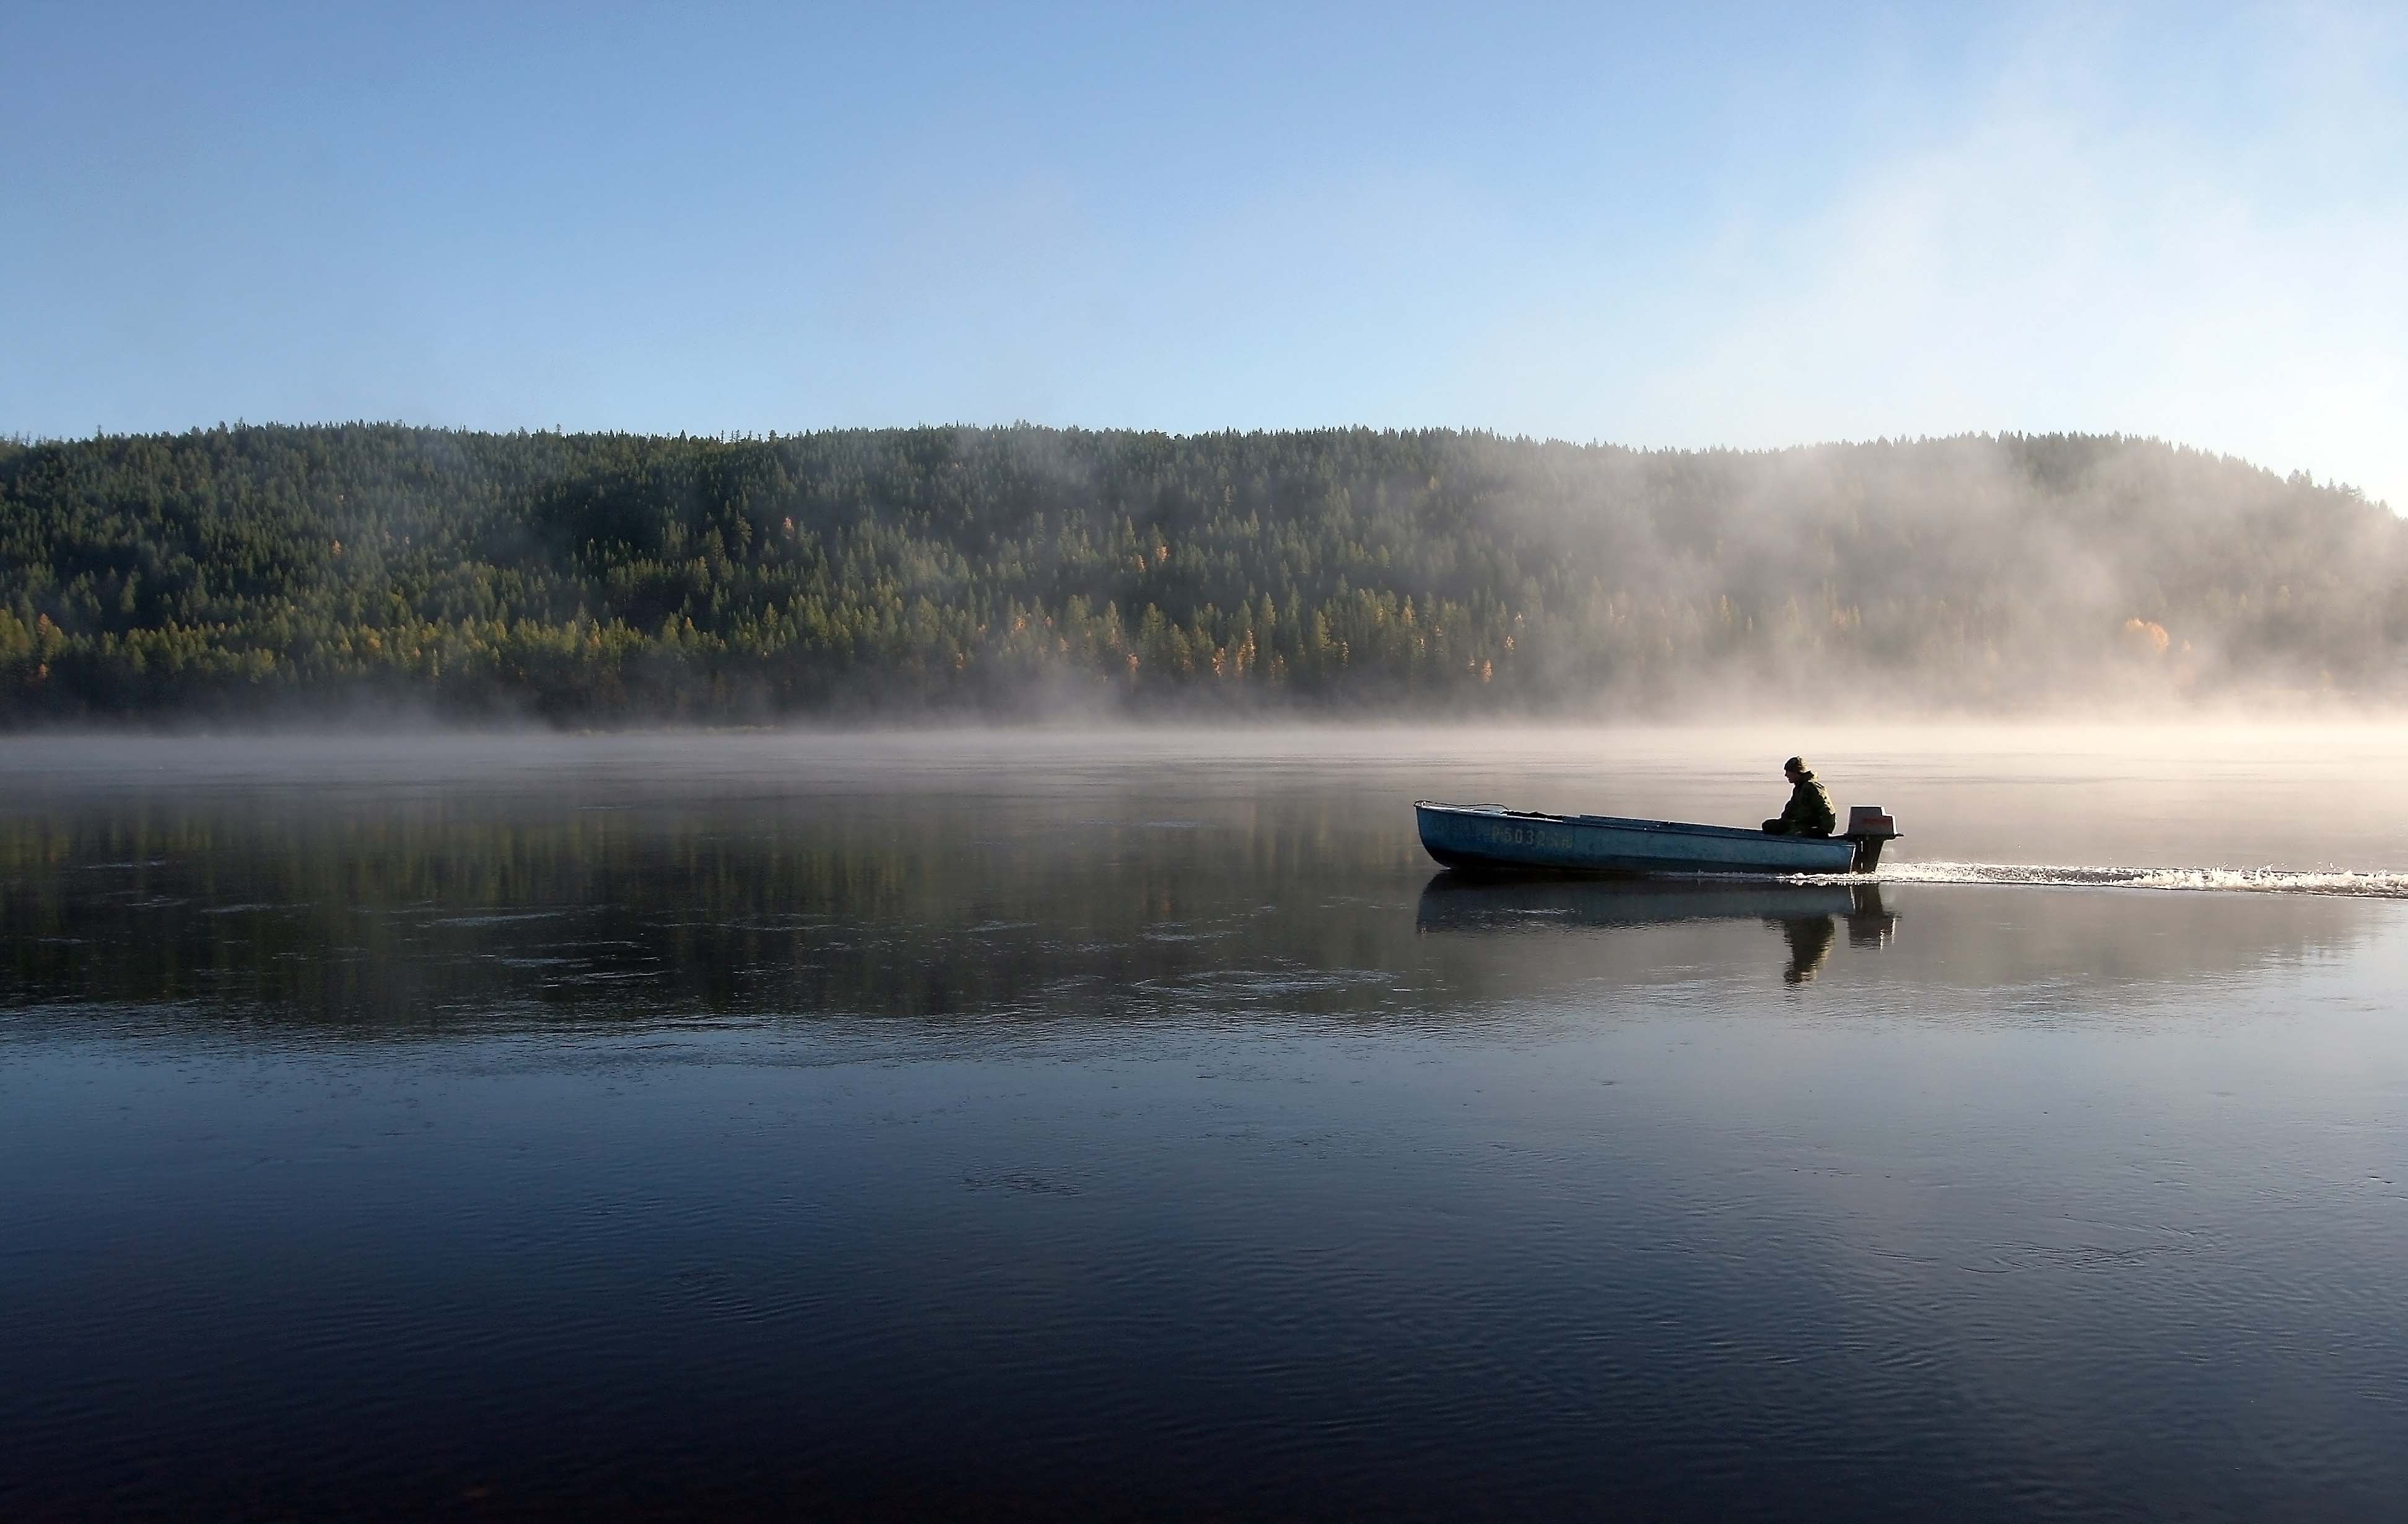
(1493, 838)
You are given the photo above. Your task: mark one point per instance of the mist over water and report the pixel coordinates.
(569, 951)
(1066, 574)
(1133, 1122)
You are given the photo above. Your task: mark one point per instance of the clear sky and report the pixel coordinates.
(1659, 224)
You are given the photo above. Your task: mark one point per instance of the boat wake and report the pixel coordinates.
(2378, 886)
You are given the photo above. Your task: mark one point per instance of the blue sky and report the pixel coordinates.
(1662, 225)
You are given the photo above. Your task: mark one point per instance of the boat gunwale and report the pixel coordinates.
(1618, 822)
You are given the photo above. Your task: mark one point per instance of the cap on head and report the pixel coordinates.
(1795, 764)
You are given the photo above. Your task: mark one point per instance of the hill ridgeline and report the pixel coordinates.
(590, 578)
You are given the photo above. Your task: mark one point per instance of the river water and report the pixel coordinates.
(1134, 1124)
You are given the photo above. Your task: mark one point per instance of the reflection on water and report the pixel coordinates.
(476, 906)
(907, 1128)
(1810, 945)
(1455, 901)
(1808, 915)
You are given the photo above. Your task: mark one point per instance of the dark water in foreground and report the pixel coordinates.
(1136, 1127)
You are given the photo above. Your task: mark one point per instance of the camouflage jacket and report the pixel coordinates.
(1809, 810)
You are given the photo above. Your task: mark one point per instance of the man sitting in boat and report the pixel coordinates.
(1809, 811)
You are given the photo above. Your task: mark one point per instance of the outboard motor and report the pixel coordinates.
(1871, 830)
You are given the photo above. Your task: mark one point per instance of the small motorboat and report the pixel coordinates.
(1490, 837)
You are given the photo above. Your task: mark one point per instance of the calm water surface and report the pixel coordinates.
(1137, 1125)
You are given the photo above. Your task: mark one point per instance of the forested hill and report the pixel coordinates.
(258, 570)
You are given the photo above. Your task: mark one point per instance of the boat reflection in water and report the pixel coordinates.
(1808, 915)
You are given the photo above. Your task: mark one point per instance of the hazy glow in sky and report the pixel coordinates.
(1749, 225)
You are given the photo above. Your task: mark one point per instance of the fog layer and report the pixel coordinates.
(255, 571)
